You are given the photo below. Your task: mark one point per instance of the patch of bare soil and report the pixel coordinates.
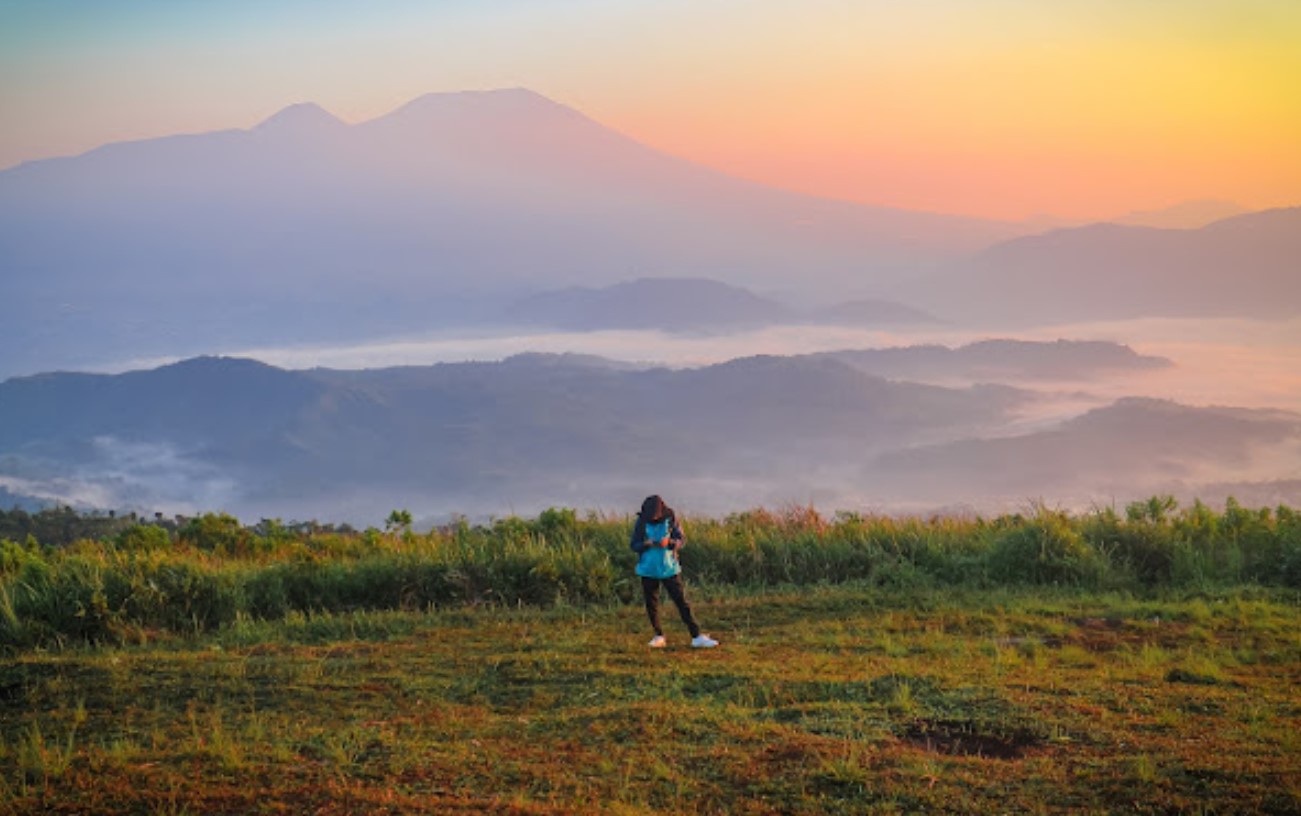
(964, 739)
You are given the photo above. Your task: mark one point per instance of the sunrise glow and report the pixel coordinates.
(1010, 110)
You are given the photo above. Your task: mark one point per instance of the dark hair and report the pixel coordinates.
(654, 509)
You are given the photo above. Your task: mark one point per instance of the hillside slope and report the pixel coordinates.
(1244, 266)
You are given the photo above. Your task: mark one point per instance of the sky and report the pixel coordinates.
(1008, 109)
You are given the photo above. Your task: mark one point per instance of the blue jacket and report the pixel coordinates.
(654, 561)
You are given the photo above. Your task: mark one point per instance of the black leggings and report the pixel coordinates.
(650, 587)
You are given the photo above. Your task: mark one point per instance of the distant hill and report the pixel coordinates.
(1185, 215)
(304, 228)
(201, 401)
(1135, 445)
(530, 429)
(690, 305)
(540, 430)
(1001, 361)
(1244, 266)
(672, 304)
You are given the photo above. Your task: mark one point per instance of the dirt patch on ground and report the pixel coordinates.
(1101, 635)
(965, 739)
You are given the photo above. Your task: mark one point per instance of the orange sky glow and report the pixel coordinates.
(1009, 109)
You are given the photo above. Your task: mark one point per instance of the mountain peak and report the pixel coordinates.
(500, 103)
(299, 118)
(491, 96)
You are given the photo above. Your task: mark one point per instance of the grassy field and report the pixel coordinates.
(67, 580)
(822, 699)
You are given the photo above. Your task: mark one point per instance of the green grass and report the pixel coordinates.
(826, 698)
(1027, 663)
(142, 581)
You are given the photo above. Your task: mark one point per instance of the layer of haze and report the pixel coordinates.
(1244, 363)
(1216, 362)
(1007, 109)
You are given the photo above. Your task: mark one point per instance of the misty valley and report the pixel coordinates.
(486, 302)
(855, 430)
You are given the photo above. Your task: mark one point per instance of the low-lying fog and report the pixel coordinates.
(1218, 362)
(1251, 364)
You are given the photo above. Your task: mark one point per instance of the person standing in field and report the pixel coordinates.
(656, 538)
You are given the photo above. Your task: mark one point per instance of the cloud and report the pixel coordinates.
(1254, 364)
(121, 474)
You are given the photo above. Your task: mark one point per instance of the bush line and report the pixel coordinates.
(137, 579)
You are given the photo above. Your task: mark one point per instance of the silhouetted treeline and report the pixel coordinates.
(57, 526)
(61, 526)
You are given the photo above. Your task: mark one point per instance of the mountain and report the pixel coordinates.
(670, 304)
(696, 305)
(1132, 447)
(1185, 215)
(1245, 266)
(1001, 361)
(301, 120)
(540, 430)
(304, 228)
(199, 397)
(469, 437)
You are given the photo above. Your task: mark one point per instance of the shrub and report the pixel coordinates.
(1045, 549)
(131, 582)
(217, 531)
(1287, 569)
(1206, 548)
(143, 538)
(558, 522)
(60, 602)
(14, 555)
(1140, 547)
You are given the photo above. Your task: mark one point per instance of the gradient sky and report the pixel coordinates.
(1001, 108)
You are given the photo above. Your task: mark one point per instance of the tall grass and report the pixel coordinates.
(147, 579)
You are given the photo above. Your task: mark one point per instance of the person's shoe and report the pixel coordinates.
(703, 642)
(658, 642)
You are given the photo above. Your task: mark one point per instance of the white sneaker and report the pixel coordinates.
(658, 642)
(703, 642)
